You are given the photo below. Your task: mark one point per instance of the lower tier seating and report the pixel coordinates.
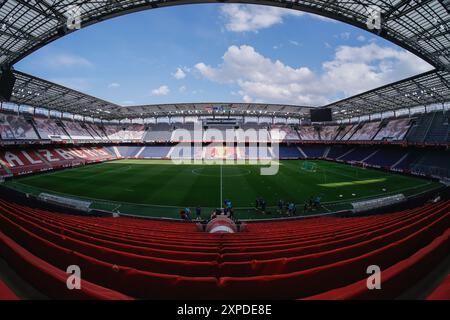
(6, 293)
(317, 258)
(442, 292)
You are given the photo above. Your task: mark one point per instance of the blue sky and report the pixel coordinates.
(222, 53)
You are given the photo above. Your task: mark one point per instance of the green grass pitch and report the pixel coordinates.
(160, 188)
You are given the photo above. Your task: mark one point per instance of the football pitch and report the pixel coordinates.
(160, 188)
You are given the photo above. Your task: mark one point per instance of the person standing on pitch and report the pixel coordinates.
(280, 206)
(188, 214)
(198, 212)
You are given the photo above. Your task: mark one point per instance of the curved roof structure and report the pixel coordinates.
(37, 92)
(424, 89)
(428, 88)
(422, 27)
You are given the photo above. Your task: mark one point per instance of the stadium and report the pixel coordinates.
(346, 199)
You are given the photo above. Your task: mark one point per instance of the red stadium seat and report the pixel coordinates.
(47, 278)
(323, 258)
(6, 293)
(442, 292)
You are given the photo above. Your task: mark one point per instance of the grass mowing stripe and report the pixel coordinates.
(160, 188)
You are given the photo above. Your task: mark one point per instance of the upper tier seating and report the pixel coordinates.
(328, 133)
(96, 132)
(130, 132)
(432, 128)
(181, 132)
(48, 128)
(16, 128)
(254, 125)
(134, 132)
(349, 135)
(308, 133)
(345, 132)
(440, 128)
(394, 130)
(320, 257)
(114, 133)
(282, 133)
(76, 131)
(420, 128)
(366, 132)
(158, 132)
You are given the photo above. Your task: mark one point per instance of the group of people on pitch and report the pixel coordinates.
(289, 208)
(312, 204)
(283, 207)
(185, 214)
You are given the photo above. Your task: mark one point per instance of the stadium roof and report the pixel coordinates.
(424, 89)
(236, 109)
(422, 27)
(427, 88)
(36, 92)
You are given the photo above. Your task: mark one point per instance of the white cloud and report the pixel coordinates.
(294, 43)
(243, 17)
(161, 91)
(248, 17)
(67, 60)
(353, 70)
(361, 38)
(179, 74)
(114, 85)
(343, 36)
(358, 69)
